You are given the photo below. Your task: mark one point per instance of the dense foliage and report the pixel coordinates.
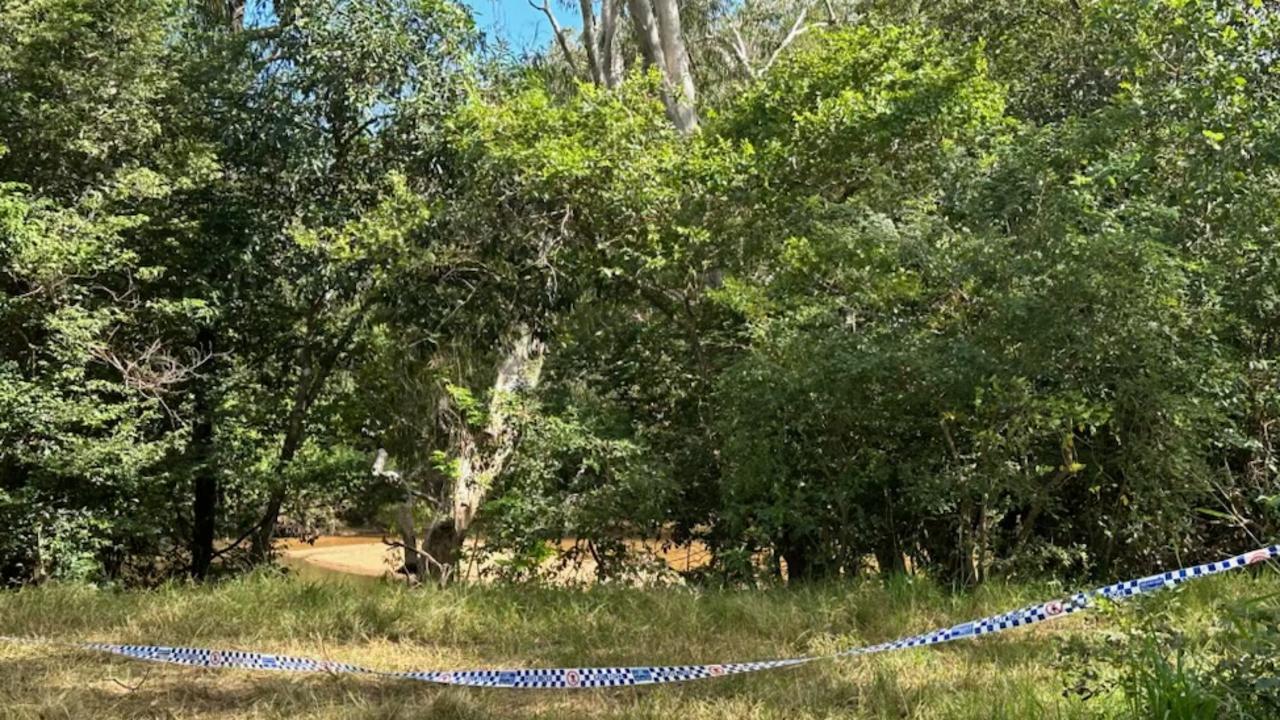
(973, 289)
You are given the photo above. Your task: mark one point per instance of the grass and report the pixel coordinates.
(1019, 674)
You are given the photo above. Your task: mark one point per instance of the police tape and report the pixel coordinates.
(594, 677)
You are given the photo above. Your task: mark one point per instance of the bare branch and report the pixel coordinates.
(443, 568)
(561, 39)
(238, 541)
(798, 29)
(739, 48)
(152, 371)
(134, 688)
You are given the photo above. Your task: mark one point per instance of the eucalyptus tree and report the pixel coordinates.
(657, 41)
(540, 242)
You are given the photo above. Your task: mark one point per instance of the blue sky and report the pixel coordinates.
(518, 22)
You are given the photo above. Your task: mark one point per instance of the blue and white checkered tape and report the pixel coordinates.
(594, 677)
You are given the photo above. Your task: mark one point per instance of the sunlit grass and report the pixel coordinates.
(1014, 675)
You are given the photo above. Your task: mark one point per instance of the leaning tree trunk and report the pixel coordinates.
(314, 371)
(413, 566)
(482, 457)
(265, 533)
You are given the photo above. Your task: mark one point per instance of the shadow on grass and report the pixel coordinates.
(72, 684)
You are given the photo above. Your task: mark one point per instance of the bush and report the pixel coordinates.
(1227, 666)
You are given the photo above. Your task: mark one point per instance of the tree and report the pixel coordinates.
(315, 116)
(82, 456)
(659, 37)
(958, 288)
(91, 184)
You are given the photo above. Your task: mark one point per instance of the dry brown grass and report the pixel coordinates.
(1015, 675)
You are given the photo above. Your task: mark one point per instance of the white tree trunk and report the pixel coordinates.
(591, 42)
(414, 563)
(679, 76)
(646, 27)
(661, 41)
(480, 460)
(611, 58)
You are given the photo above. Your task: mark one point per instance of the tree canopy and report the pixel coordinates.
(971, 288)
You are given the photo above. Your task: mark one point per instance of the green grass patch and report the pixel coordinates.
(1019, 674)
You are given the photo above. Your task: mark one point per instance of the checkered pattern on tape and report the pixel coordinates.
(1080, 601)
(620, 676)
(201, 657)
(594, 677)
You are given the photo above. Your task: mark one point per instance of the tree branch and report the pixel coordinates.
(798, 29)
(739, 48)
(239, 540)
(561, 39)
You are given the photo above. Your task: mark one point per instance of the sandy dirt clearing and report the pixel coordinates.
(369, 557)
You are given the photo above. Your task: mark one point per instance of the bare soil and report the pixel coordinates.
(368, 556)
